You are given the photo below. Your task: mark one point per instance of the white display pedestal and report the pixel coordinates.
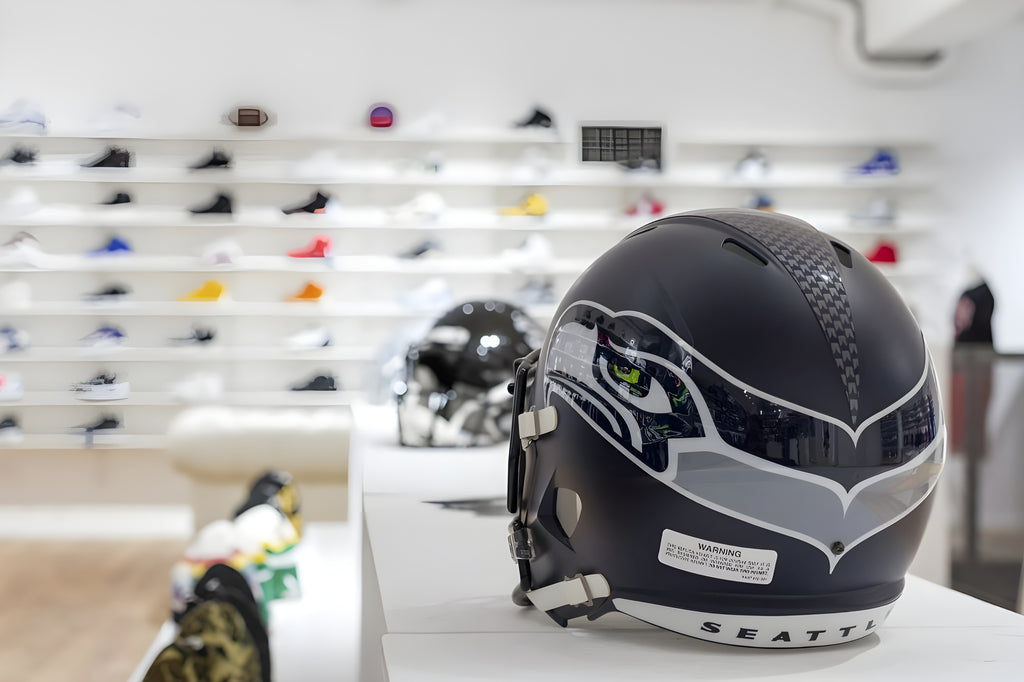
(437, 580)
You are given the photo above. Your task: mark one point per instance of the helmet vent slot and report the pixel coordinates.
(843, 254)
(744, 251)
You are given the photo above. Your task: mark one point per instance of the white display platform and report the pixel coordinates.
(437, 580)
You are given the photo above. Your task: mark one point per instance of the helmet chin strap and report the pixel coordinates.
(577, 590)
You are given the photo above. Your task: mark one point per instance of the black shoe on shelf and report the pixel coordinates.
(8, 423)
(217, 159)
(317, 205)
(198, 336)
(538, 119)
(107, 422)
(117, 199)
(321, 382)
(114, 157)
(221, 205)
(21, 156)
(114, 292)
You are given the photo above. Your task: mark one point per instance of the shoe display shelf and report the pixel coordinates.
(372, 295)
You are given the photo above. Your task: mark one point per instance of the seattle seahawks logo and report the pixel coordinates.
(736, 449)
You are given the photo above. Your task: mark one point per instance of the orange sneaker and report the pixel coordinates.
(311, 292)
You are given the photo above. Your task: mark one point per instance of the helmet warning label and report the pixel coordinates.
(717, 560)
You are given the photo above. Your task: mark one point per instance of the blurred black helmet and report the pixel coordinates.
(732, 431)
(455, 388)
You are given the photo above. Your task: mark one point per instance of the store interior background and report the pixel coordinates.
(743, 70)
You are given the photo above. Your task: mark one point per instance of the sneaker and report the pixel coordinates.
(198, 336)
(109, 294)
(321, 382)
(277, 489)
(426, 206)
(382, 116)
(21, 249)
(433, 295)
(427, 246)
(221, 204)
(645, 206)
(222, 252)
(319, 204)
(11, 387)
(884, 252)
(23, 116)
(104, 338)
(117, 199)
(760, 201)
(211, 290)
(314, 337)
(312, 292)
(753, 166)
(103, 424)
(217, 159)
(538, 118)
(533, 205)
(12, 339)
(536, 291)
(319, 247)
(115, 247)
(22, 203)
(883, 162)
(10, 431)
(877, 210)
(20, 156)
(114, 157)
(535, 252)
(101, 387)
(198, 388)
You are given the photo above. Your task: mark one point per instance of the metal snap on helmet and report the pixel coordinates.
(731, 431)
(455, 389)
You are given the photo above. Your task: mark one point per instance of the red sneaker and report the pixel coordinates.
(319, 247)
(884, 252)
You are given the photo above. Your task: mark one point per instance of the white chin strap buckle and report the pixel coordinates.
(578, 590)
(535, 423)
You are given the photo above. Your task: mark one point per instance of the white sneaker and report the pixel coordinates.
(426, 206)
(433, 295)
(223, 252)
(23, 117)
(101, 387)
(877, 210)
(11, 387)
(753, 166)
(21, 249)
(22, 203)
(314, 337)
(536, 252)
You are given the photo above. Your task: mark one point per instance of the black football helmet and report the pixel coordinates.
(455, 389)
(731, 431)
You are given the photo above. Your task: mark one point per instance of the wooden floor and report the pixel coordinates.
(81, 611)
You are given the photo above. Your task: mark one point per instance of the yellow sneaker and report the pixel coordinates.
(211, 290)
(534, 204)
(311, 292)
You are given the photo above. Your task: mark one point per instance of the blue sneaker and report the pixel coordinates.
(104, 337)
(12, 339)
(115, 247)
(884, 162)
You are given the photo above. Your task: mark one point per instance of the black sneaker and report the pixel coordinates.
(538, 119)
(114, 292)
(321, 382)
(317, 205)
(217, 159)
(21, 155)
(10, 430)
(421, 249)
(107, 422)
(114, 157)
(117, 199)
(197, 337)
(221, 204)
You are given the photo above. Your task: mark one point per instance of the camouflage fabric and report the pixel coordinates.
(212, 645)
